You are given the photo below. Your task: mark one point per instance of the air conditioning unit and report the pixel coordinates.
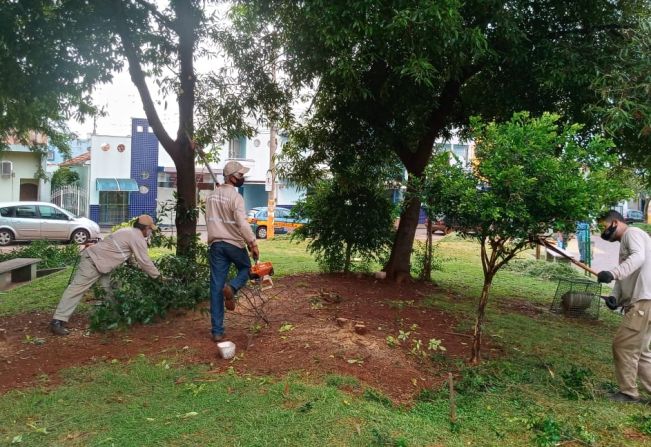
(7, 169)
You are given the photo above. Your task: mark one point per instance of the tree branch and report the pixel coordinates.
(139, 80)
(157, 14)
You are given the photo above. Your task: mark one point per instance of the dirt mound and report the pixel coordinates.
(303, 335)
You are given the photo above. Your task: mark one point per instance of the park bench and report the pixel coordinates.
(17, 270)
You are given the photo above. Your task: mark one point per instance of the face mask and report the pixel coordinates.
(239, 182)
(609, 233)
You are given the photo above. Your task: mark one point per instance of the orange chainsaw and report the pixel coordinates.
(261, 272)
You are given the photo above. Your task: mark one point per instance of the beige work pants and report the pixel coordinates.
(86, 276)
(631, 349)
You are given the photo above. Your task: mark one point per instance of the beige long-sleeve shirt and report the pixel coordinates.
(633, 274)
(118, 247)
(226, 218)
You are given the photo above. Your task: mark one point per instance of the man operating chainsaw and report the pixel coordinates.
(228, 234)
(632, 292)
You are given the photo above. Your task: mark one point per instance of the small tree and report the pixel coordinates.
(345, 220)
(64, 176)
(531, 174)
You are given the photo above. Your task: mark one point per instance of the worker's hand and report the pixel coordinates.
(605, 276)
(255, 252)
(611, 302)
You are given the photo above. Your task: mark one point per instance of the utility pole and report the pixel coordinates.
(271, 203)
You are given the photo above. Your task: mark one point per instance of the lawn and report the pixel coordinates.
(543, 383)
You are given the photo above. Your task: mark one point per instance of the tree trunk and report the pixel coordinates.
(475, 358)
(427, 264)
(399, 261)
(186, 206)
(347, 260)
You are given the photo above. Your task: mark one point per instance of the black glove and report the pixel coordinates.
(605, 276)
(611, 302)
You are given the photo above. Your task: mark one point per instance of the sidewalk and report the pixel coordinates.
(605, 254)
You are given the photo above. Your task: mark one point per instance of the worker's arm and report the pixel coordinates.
(244, 226)
(635, 259)
(139, 248)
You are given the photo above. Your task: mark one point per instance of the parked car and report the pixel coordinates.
(283, 222)
(28, 221)
(251, 214)
(633, 216)
(440, 224)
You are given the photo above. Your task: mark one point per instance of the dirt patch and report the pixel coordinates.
(303, 336)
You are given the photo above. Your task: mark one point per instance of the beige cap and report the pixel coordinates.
(234, 167)
(145, 219)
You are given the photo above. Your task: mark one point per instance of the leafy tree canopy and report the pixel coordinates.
(404, 73)
(531, 174)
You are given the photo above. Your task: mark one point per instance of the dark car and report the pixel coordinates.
(633, 216)
(441, 225)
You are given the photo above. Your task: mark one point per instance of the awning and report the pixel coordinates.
(116, 184)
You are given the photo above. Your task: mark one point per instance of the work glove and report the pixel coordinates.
(605, 276)
(611, 302)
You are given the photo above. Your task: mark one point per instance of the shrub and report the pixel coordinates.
(140, 299)
(345, 221)
(51, 255)
(418, 259)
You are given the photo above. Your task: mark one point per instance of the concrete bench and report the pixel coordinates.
(17, 270)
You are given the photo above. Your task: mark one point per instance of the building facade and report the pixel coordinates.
(19, 172)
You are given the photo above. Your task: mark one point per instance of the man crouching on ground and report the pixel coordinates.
(228, 234)
(97, 262)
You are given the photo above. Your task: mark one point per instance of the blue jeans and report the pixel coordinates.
(221, 256)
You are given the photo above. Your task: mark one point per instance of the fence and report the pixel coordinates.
(71, 198)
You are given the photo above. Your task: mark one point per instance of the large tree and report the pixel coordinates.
(60, 50)
(406, 73)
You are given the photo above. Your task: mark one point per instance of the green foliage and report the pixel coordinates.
(625, 105)
(531, 175)
(578, 383)
(418, 259)
(375, 396)
(140, 299)
(51, 255)
(642, 423)
(64, 176)
(542, 269)
(344, 221)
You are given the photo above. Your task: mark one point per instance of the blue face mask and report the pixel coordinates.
(239, 182)
(609, 233)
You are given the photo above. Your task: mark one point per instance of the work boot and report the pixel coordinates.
(624, 398)
(229, 297)
(58, 327)
(218, 337)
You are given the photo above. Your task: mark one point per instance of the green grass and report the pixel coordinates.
(544, 384)
(644, 226)
(41, 294)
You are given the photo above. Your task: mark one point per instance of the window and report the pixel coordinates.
(7, 212)
(50, 155)
(26, 211)
(237, 148)
(48, 212)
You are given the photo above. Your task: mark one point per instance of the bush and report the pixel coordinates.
(345, 221)
(418, 259)
(140, 299)
(51, 255)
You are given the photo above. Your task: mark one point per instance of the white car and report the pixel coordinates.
(29, 221)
